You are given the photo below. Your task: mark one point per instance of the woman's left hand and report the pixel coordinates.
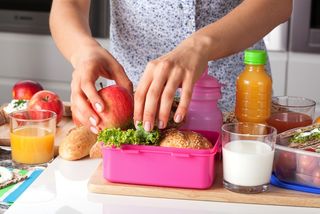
(162, 77)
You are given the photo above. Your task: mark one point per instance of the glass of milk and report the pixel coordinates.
(247, 151)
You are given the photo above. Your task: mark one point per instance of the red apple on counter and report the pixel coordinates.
(25, 89)
(47, 100)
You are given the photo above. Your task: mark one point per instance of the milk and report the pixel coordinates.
(247, 162)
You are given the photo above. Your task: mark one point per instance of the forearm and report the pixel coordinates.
(69, 25)
(241, 28)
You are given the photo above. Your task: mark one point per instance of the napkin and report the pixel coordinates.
(9, 194)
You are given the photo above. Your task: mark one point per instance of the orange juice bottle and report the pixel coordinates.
(253, 89)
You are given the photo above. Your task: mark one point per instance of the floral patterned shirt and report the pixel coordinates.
(143, 30)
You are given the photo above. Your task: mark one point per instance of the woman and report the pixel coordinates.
(163, 45)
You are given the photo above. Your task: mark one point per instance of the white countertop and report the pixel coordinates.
(62, 188)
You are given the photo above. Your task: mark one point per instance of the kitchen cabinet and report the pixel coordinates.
(26, 56)
(35, 57)
(304, 75)
(295, 74)
(278, 62)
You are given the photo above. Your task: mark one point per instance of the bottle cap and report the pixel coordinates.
(255, 57)
(206, 88)
(207, 81)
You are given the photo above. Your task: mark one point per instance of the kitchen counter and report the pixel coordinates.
(62, 188)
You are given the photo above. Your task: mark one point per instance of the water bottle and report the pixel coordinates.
(204, 114)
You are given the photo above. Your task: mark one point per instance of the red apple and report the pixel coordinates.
(118, 107)
(316, 176)
(285, 164)
(47, 100)
(306, 164)
(303, 179)
(286, 159)
(25, 89)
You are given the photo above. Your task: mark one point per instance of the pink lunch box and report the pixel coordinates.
(162, 166)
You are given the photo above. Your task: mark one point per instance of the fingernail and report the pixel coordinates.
(136, 123)
(178, 118)
(160, 124)
(147, 126)
(98, 107)
(93, 121)
(94, 130)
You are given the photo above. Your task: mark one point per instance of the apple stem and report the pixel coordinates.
(46, 98)
(101, 85)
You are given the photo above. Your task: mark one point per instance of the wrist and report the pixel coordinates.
(202, 45)
(85, 47)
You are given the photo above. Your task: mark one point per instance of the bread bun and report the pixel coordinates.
(197, 141)
(77, 143)
(184, 139)
(95, 151)
(174, 138)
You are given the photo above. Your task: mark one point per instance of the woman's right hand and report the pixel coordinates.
(89, 63)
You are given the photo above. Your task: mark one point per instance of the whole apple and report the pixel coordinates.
(316, 176)
(118, 110)
(25, 89)
(285, 164)
(47, 100)
(306, 164)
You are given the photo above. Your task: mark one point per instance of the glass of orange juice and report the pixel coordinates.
(32, 137)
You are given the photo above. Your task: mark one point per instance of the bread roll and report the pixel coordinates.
(197, 141)
(174, 138)
(184, 139)
(77, 143)
(95, 151)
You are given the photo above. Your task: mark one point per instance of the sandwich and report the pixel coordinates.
(305, 138)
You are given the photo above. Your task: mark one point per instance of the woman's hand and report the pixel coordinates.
(162, 77)
(89, 63)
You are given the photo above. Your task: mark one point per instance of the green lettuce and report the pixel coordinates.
(115, 137)
(304, 137)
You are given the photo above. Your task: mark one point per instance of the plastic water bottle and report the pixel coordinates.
(204, 114)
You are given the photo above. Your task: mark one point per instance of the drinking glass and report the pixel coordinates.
(32, 137)
(290, 112)
(247, 151)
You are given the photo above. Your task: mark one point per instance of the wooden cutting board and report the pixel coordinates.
(275, 196)
(62, 129)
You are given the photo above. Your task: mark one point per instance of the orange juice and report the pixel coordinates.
(253, 89)
(32, 145)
